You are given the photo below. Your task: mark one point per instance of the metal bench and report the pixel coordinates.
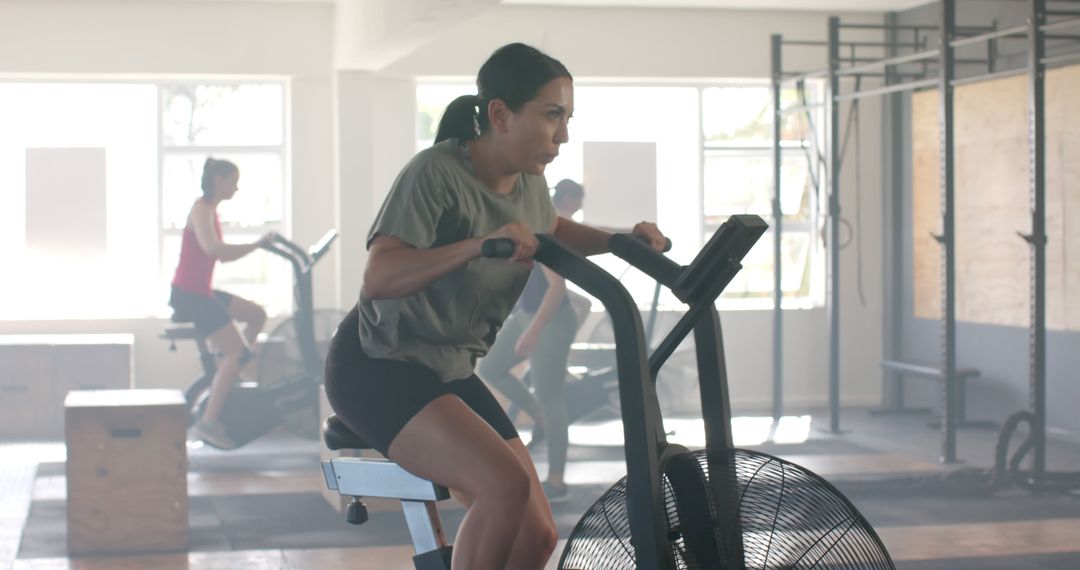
(928, 372)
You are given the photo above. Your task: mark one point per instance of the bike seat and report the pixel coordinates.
(182, 333)
(336, 435)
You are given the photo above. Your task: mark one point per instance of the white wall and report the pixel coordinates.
(92, 39)
(628, 42)
(690, 44)
(376, 137)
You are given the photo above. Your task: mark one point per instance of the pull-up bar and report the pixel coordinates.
(908, 86)
(1070, 23)
(1007, 32)
(908, 58)
(912, 27)
(819, 43)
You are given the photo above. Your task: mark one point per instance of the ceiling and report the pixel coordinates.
(812, 5)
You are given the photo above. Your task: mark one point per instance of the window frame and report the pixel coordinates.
(282, 150)
(814, 296)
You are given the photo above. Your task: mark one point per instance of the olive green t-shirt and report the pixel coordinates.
(437, 201)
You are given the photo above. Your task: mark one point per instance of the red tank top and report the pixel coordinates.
(196, 267)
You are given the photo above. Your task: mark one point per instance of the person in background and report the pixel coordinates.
(213, 311)
(541, 329)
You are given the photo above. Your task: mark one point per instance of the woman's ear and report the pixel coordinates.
(499, 115)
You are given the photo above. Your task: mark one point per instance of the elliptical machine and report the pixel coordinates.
(286, 391)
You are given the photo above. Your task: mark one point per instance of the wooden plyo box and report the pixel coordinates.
(126, 471)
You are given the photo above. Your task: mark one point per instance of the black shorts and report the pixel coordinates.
(376, 397)
(209, 314)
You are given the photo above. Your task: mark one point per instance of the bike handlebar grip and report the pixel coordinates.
(645, 240)
(323, 245)
(497, 247)
(633, 249)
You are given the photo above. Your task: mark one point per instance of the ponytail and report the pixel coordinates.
(462, 119)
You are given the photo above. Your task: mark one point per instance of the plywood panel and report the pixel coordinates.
(993, 202)
(1063, 198)
(1070, 252)
(926, 204)
(1056, 176)
(992, 261)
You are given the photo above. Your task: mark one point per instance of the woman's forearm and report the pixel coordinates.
(584, 239)
(398, 270)
(233, 251)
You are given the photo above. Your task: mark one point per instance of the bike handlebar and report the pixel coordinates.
(323, 245)
(504, 247)
(302, 261)
(702, 280)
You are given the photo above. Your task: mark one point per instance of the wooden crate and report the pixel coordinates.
(25, 373)
(38, 370)
(126, 471)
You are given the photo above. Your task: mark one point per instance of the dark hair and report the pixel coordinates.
(214, 167)
(566, 189)
(513, 74)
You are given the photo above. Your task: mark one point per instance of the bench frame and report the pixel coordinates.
(358, 477)
(899, 370)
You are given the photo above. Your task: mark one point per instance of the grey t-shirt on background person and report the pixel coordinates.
(436, 201)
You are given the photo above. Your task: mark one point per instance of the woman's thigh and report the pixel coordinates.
(244, 310)
(448, 443)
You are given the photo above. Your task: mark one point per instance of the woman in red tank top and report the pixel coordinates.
(212, 311)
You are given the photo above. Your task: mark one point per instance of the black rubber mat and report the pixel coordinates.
(275, 521)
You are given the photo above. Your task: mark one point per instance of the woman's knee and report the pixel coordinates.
(256, 317)
(509, 486)
(234, 355)
(545, 538)
(538, 537)
(228, 344)
(505, 488)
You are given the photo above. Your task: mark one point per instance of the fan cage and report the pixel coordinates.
(787, 517)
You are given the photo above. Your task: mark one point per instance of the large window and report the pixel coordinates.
(737, 127)
(713, 160)
(96, 180)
